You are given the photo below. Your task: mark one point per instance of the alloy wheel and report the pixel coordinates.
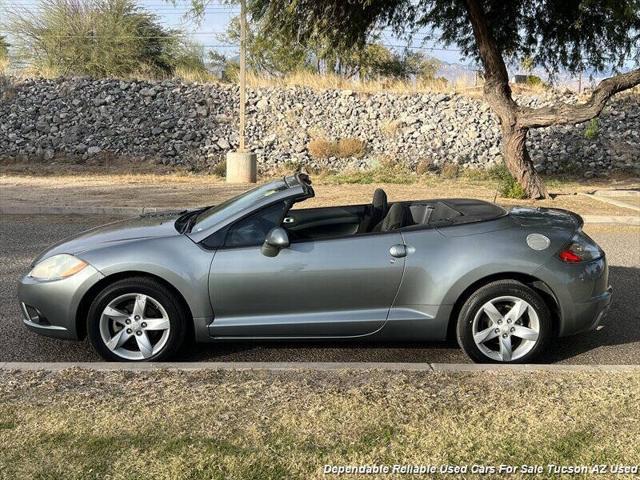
(134, 326)
(506, 328)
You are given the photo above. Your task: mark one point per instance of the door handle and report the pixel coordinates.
(288, 220)
(398, 251)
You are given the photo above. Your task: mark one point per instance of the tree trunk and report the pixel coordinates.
(497, 93)
(516, 157)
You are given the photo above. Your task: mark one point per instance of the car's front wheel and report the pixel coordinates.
(504, 322)
(136, 319)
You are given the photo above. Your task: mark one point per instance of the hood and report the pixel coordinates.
(548, 218)
(137, 228)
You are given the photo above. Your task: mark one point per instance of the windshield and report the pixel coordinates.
(217, 213)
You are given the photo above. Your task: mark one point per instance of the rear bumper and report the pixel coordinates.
(588, 315)
(49, 308)
(582, 292)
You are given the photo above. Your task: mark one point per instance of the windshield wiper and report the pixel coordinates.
(185, 222)
(191, 221)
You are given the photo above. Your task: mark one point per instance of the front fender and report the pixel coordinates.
(176, 260)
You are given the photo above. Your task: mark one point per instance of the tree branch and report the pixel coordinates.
(564, 113)
(496, 87)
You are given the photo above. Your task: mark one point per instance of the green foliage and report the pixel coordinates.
(272, 54)
(386, 171)
(592, 130)
(376, 60)
(276, 53)
(508, 186)
(220, 169)
(573, 34)
(98, 38)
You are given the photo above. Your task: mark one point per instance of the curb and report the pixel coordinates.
(314, 366)
(68, 210)
(612, 201)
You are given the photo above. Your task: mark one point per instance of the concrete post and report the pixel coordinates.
(241, 165)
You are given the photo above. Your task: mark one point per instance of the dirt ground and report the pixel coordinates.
(177, 190)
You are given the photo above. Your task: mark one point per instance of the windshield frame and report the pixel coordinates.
(219, 216)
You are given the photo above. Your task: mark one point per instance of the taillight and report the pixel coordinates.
(569, 257)
(581, 249)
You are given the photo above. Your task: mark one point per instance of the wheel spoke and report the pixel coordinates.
(518, 309)
(140, 306)
(118, 340)
(144, 345)
(485, 335)
(505, 349)
(157, 323)
(525, 333)
(115, 315)
(492, 312)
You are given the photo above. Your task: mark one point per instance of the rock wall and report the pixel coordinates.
(193, 124)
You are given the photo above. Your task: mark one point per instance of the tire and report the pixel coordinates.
(501, 316)
(136, 319)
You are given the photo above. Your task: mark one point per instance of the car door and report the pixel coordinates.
(334, 287)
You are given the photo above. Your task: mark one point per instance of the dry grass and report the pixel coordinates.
(321, 148)
(350, 147)
(220, 425)
(332, 81)
(389, 128)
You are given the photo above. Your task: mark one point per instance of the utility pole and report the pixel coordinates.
(243, 72)
(242, 165)
(580, 82)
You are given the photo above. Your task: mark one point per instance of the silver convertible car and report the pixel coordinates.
(255, 268)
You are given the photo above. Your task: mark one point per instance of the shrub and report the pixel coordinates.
(220, 169)
(350, 147)
(387, 171)
(508, 186)
(389, 127)
(321, 148)
(97, 38)
(450, 170)
(512, 189)
(423, 167)
(592, 130)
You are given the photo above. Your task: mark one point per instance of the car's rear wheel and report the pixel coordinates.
(504, 322)
(136, 319)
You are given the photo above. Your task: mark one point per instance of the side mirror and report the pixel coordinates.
(276, 240)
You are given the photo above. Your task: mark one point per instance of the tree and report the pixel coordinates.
(555, 34)
(98, 38)
(271, 54)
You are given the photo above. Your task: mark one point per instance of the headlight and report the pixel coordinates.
(57, 267)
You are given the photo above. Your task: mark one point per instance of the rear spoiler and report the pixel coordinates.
(579, 221)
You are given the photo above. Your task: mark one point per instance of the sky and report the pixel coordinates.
(218, 16)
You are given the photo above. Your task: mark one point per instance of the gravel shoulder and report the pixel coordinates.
(183, 190)
(218, 425)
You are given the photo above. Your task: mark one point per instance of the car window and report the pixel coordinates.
(252, 230)
(234, 205)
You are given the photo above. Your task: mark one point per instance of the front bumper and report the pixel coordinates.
(50, 308)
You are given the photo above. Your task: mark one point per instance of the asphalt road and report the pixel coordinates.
(23, 237)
